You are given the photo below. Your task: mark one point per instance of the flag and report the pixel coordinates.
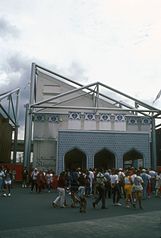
(158, 96)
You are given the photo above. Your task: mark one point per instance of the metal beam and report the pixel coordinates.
(94, 108)
(110, 88)
(58, 75)
(28, 119)
(16, 125)
(158, 125)
(154, 151)
(6, 113)
(92, 90)
(66, 100)
(62, 94)
(14, 115)
(8, 93)
(127, 96)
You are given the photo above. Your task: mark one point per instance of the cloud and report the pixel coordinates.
(75, 71)
(7, 29)
(17, 71)
(117, 44)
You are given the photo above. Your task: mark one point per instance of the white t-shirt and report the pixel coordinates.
(133, 177)
(114, 178)
(137, 184)
(152, 173)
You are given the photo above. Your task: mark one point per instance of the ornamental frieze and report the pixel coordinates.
(104, 117)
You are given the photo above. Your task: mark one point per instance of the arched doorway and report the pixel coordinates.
(133, 158)
(104, 159)
(75, 159)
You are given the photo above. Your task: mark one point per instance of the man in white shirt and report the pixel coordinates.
(115, 188)
(121, 176)
(91, 178)
(137, 190)
(153, 175)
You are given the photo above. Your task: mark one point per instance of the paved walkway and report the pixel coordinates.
(140, 225)
(28, 214)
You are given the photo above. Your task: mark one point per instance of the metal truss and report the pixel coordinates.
(98, 91)
(9, 105)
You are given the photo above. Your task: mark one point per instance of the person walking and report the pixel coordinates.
(49, 179)
(7, 182)
(115, 188)
(158, 185)
(146, 179)
(101, 188)
(74, 184)
(121, 176)
(137, 189)
(2, 175)
(91, 178)
(128, 189)
(153, 175)
(25, 175)
(41, 181)
(60, 199)
(34, 175)
(82, 191)
(108, 183)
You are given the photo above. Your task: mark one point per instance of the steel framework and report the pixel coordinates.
(10, 110)
(136, 106)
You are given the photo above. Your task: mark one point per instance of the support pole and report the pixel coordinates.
(16, 127)
(154, 151)
(15, 144)
(27, 137)
(28, 120)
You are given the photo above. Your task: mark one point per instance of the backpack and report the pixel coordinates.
(100, 180)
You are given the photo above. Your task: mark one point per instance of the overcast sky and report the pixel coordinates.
(117, 42)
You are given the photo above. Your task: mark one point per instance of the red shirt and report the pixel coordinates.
(61, 181)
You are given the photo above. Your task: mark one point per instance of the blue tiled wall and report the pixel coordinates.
(91, 142)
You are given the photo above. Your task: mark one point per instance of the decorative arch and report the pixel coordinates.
(133, 158)
(74, 159)
(104, 159)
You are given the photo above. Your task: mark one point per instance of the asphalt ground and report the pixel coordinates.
(27, 214)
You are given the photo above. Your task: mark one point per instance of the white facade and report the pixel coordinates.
(73, 111)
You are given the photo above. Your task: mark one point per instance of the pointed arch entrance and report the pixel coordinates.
(133, 158)
(104, 159)
(75, 159)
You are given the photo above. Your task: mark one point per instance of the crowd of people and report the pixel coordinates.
(133, 185)
(37, 179)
